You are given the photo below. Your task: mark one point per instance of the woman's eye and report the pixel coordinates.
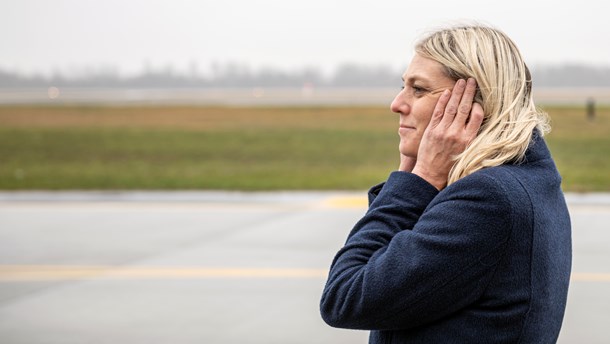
(414, 90)
(418, 90)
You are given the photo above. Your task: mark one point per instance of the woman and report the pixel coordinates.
(469, 242)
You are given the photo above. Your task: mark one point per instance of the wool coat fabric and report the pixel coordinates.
(485, 260)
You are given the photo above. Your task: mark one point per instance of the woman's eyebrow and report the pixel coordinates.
(413, 78)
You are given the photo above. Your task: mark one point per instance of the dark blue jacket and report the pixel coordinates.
(486, 260)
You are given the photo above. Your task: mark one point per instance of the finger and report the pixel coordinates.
(439, 109)
(466, 103)
(452, 106)
(476, 118)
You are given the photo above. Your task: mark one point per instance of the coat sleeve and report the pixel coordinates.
(417, 255)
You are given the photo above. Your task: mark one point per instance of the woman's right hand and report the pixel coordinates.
(455, 122)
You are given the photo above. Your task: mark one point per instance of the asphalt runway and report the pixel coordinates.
(214, 267)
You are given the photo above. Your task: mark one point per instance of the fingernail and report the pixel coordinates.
(472, 82)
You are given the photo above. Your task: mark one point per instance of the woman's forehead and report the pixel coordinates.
(423, 68)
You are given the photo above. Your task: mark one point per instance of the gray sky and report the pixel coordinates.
(76, 36)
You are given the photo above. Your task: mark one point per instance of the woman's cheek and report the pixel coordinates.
(409, 144)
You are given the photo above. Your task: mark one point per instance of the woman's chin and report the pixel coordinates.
(407, 150)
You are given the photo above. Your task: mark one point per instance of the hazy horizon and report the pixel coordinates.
(196, 70)
(236, 76)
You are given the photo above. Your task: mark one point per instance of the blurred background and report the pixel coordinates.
(184, 171)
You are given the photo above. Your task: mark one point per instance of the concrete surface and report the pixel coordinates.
(213, 267)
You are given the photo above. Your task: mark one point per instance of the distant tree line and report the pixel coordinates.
(347, 75)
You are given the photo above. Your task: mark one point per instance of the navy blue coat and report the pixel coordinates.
(485, 260)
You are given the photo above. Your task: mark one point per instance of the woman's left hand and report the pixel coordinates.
(455, 122)
(406, 163)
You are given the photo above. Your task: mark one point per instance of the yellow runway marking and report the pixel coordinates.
(590, 277)
(347, 202)
(30, 273)
(15, 273)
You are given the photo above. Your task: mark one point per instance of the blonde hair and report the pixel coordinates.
(504, 91)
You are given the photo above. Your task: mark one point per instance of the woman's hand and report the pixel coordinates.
(455, 122)
(407, 163)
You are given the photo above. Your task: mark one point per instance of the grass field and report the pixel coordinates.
(234, 148)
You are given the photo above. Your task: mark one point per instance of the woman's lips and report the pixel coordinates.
(404, 128)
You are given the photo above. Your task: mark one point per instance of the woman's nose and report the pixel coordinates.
(399, 104)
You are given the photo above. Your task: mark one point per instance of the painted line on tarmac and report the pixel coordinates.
(590, 277)
(346, 202)
(362, 202)
(24, 273)
(32, 273)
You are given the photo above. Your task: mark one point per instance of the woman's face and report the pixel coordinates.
(424, 82)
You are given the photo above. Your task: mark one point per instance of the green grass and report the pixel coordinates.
(581, 148)
(130, 159)
(58, 148)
